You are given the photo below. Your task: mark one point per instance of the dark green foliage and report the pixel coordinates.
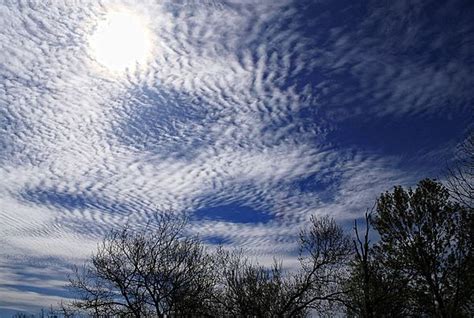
(428, 240)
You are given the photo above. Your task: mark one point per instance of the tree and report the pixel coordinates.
(428, 239)
(461, 176)
(153, 272)
(372, 290)
(249, 290)
(325, 251)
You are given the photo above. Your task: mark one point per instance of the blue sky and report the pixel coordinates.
(250, 117)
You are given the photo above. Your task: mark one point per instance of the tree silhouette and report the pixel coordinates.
(460, 181)
(373, 290)
(421, 266)
(249, 290)
(325, 251)
(154, 272)
(428, 238)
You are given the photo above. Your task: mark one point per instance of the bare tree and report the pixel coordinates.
(325, 251)
(249, 290)
(460, 181)
(158, 272)
(153, 272)
(66, 310)
(362, 252)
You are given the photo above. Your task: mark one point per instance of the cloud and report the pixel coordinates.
(400, 60)
(237, 108)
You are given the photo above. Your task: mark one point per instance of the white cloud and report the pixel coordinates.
(212, 119)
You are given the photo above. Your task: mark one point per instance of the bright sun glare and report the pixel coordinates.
(121, 42)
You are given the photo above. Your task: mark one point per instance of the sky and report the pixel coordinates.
(248, 116)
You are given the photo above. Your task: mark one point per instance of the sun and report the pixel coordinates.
(121, 42)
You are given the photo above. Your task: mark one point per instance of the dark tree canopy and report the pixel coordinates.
(428, 238)
(373, 290)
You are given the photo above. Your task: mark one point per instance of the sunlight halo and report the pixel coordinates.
(121, 42)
